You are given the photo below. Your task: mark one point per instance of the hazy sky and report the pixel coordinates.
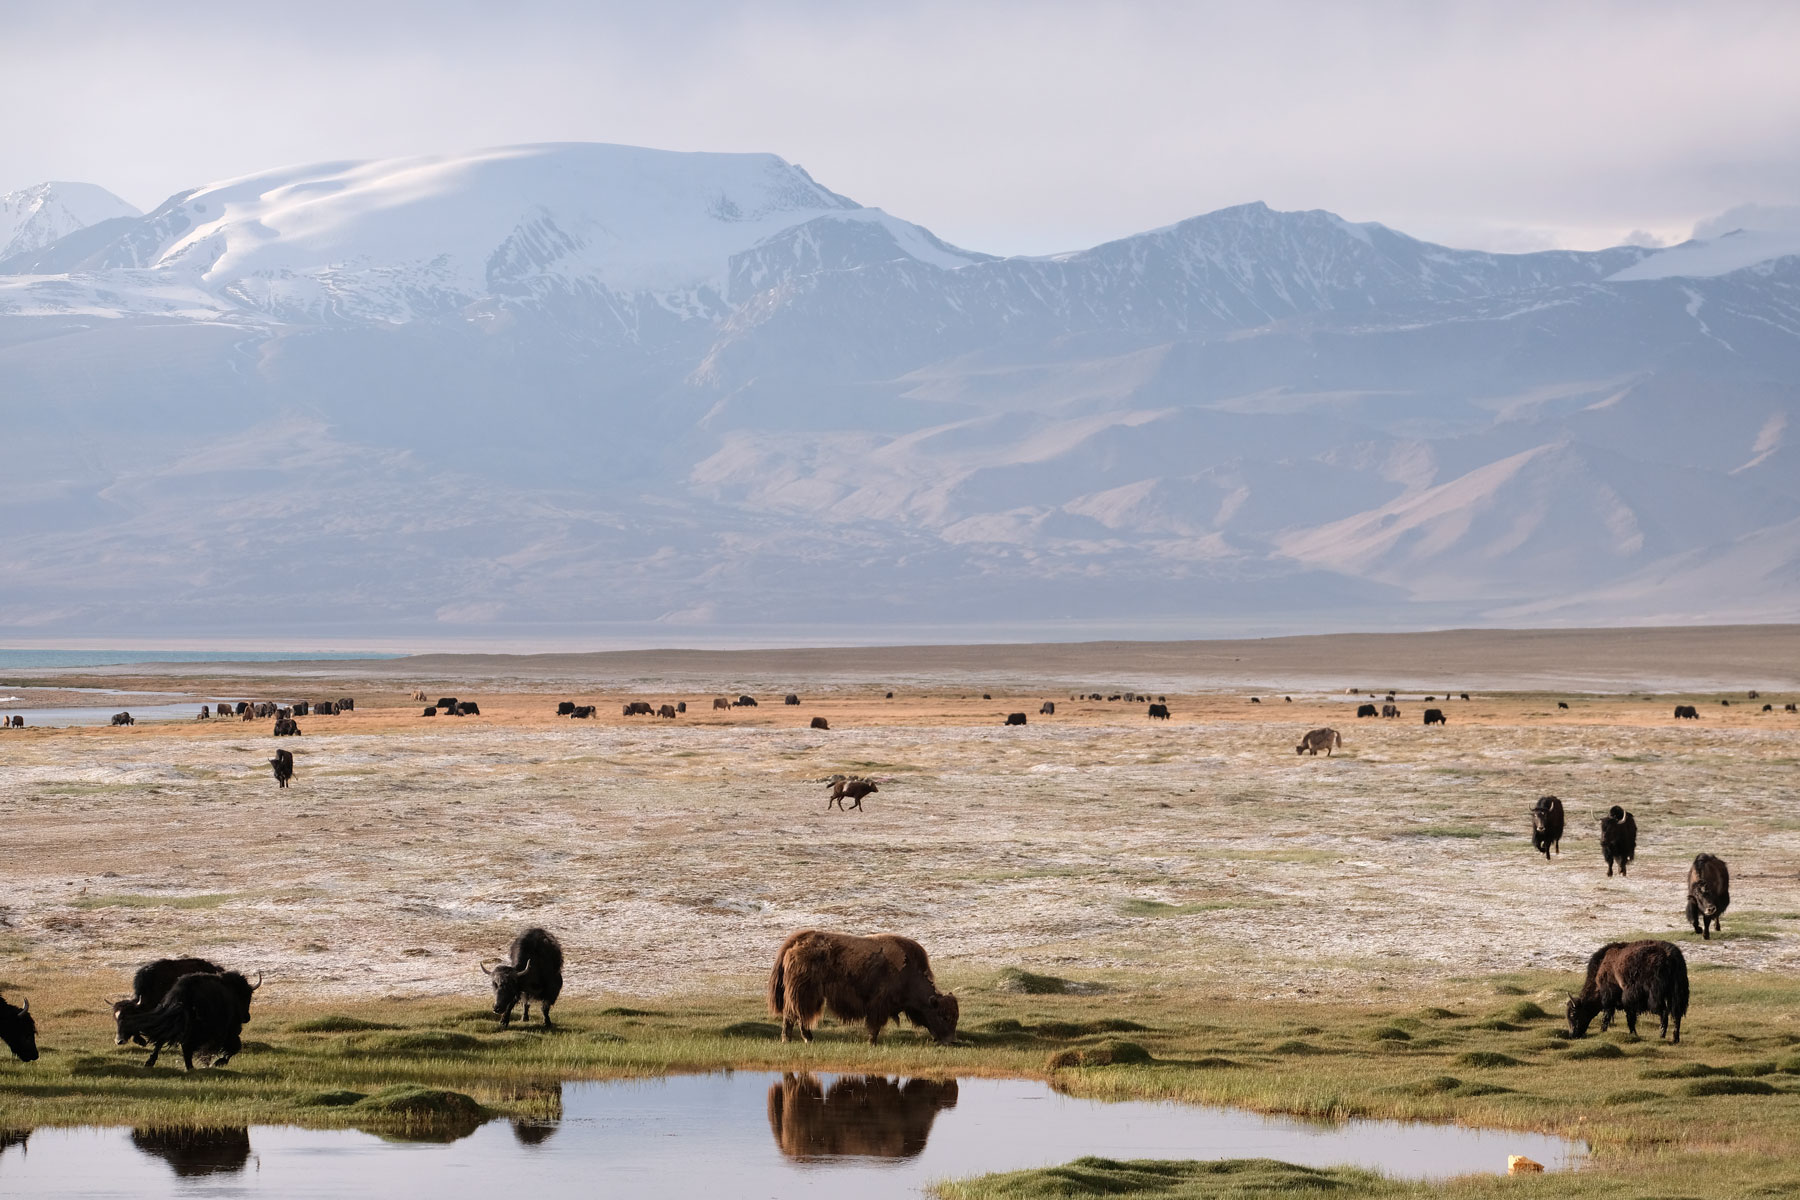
(1012, 128)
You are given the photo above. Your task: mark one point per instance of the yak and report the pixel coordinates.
(667, 710)
(745, 702)
(1319, 739)
(820, 723)
(152, 982)
(853, 789)
(681, 706)
(1709, 894)
(1784, 708)
(1366, 710)
(202, 1013)
(639, 708)
(1015, 718)
(584, 712)
(1547, 825)
(1390, 710)
(18, 1029)
(533, 971)
(468, 708)
(721, 702)
(1686, 712)
(1047, 709)
(431, 711)
(1435, 716)
(566, 708)
(302, 708)
(1159, 712)
(1559, 703)
(123, 718)
(191, 1153)
(347, 704)
(286, 727)
(791, 700)
(1638, 977)
(205, 713)
(1618, 839)
(283, 765)
(870, 979)
(870, 1116)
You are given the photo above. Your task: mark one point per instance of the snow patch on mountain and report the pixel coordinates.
(34, 217)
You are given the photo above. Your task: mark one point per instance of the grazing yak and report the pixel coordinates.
(430, 711)
(1435, 716)
(420, 696)
(852, 788)
(791, 700)
(565, 708)
(205, 713)
(1618, 839)
(1319, 739)
(18, 1030)
(870, 1116)
(533, 971)
(745, 702)
(667, 710)
(722, 702)
(820, 723)
(1547, 825)
(1047, 709)
(1390, 710)
(1724, 704)
(1464, 695)
(869, 979)
(152, 981)
(468, 708)
(1686, 712)
(1638, 977)
(446, 702)
(1365, 710)
(681, 706)
(1784, 708)
(1709, 894)
(302, 708)
(202, 1013)
(286, 727)
(191, 1153)
(1559, 703)
(639, 708)
(1768, 708)
(123, 718)
(1159, 712)
(283, 766)
(347, 704)
(584, 712)
(1015, 718)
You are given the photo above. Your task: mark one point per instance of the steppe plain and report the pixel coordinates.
(1197, 863)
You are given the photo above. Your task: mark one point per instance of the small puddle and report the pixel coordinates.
(739, 1134)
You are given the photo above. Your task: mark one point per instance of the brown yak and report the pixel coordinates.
(1639, 977)
(1319, 739)
(867, 1115)
(870, 979)
(852, 789)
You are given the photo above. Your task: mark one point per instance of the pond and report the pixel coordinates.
(737, 1134)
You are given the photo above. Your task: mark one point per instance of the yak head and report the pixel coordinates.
(509, 985)
(18, 1030)
(940, 1013)
(1703, 898)
(1616, 813)
(1300, 749)
(122, 1009)
(1581, 1014)
(242, 990)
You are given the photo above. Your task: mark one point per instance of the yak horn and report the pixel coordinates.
(485, 969)
(525, 967)
(258, 982)
(26, 1006)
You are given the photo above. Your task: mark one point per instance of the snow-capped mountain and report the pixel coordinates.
(567, 387)
(34, 217)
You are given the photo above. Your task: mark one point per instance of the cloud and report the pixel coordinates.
(1771, 218)
(1643, 237)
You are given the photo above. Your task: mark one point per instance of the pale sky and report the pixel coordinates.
(1009, 128)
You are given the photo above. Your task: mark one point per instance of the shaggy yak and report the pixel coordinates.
(152, 982)
(1366, 710)
(1435, 716)
(1638, 977)
(820, 723)
(1618, 838)
(534, 972)
(870, 979)
(201, 1013)
(1320, 739)
(18, 1029)
(1709, 894)
(1547, 825)
(852, 789)
(283, 766)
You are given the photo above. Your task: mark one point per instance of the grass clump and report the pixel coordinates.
(334, 1023)
(420, 1041)
(1727, 1085)
(1632, 1096)
(336, 1098)
(1526, 1010)
(1487, 1058)
(1390, 1034)
(764, 1030)
(1019, 982)
(1595, 1050)
(1232, 1177)
(1106, 1054)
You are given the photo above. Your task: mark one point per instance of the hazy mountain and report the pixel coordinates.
(565, 388)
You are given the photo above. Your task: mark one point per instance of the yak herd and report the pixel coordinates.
(202, 1008)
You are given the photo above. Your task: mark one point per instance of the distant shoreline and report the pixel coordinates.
(1724, 657)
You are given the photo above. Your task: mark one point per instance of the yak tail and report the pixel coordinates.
(1337, 739)
(164, 1023)
(778, 975)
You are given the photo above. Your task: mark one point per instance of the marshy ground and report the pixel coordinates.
(1365, 933)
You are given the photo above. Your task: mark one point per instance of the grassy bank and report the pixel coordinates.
(1714, 1116)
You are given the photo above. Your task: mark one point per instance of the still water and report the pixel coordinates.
(736, 1134)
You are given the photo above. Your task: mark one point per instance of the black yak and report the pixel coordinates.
(1435, 716)
(1638, 977)
(152, 982)
(18, 1029)
(1159, 712)
(468, 708)
(566, 708)
(1709, 894)
(1686, 712)
(667, 710)
(853, 788)
(533, 972)
(1047, 709)
(123, 718)
(1366, 710)
(746, 702)
(1547, 825)
(1015, 718)
(790, 700)
(201, 1013)
(283, 766)
(820, 723)
(1618, 839)
(286, 727)
(869, 979)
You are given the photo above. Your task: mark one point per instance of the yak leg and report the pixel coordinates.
(858, 804)
(1677, 1037)
(1631, 1021)
(1609, 868)
(546, 1009)
(527, 1014)
(151, 1061)
(1606, 1016)
(187, 1057)
(874, 1025)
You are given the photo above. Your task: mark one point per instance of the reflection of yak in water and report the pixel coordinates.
(865, 1115)
(193, 1152)
(531, 1132)
(13, 1137)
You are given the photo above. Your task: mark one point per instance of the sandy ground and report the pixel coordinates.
(675, 855)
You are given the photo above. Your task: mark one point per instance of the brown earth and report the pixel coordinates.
(674, 855)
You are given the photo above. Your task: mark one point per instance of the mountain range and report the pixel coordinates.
(582, 390)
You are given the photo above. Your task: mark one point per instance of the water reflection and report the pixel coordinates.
(863, 1116)
(532, 1133)
(192, 1152)
(14, 1137)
